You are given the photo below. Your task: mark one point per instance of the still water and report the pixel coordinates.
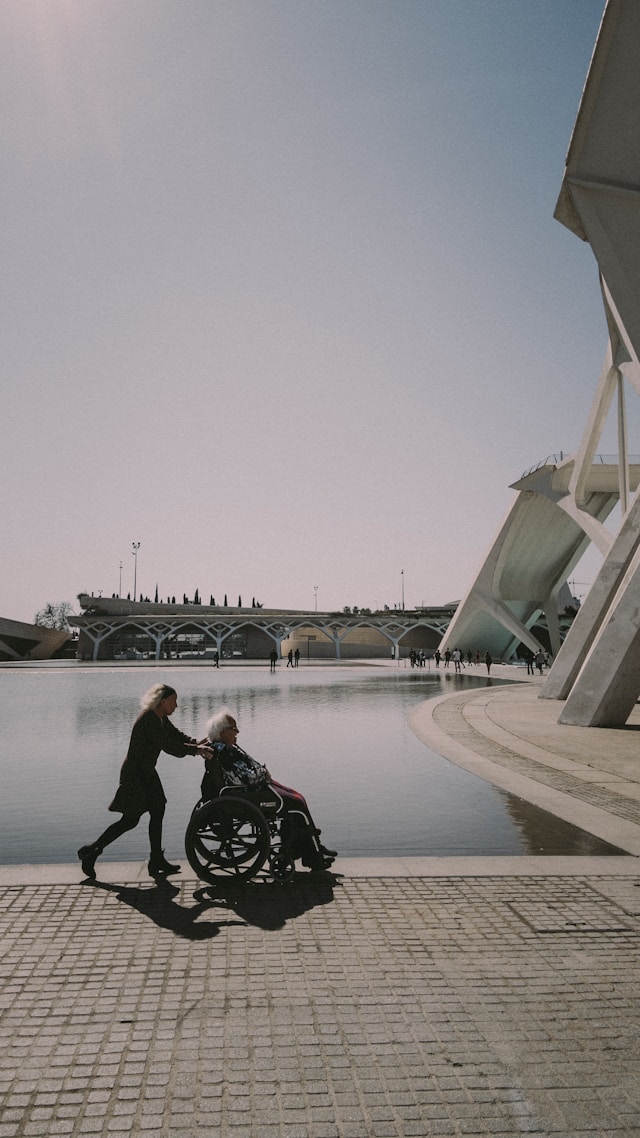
(338, 734)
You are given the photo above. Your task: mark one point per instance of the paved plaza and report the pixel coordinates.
(467, 996)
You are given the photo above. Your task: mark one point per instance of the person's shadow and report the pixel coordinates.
(157, 902)
(265, 904)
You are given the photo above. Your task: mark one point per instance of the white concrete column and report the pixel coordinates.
(593, 611)
(608, 685)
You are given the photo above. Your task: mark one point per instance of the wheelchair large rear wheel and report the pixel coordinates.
(227, 837)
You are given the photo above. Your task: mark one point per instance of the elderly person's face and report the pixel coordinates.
(229, 734)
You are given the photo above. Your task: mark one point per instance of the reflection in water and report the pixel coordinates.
(544, 833)
(340, 735)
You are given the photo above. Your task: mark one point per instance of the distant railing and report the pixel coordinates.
(598, 460)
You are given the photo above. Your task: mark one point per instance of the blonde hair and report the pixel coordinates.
(150, 700)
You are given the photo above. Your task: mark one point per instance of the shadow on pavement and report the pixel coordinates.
(266, 905)
(158, 903)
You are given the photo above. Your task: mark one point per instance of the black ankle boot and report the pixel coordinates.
(88, 856)
(160, 867)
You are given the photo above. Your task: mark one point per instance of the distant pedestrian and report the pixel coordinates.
(273, 657)
(296, 657)
(290, 658)
(447, 657)
(457, 659)
(437, 657)
(539, 658)
(216, 659)
(529, 659)
(488, 661)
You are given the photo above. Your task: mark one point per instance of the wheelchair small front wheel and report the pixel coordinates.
(282, 867)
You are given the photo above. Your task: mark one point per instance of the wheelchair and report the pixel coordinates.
(238, 834)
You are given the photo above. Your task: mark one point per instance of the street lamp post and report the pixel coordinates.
(402, 575)
(120, 584)
(135, 545)
(315, 596)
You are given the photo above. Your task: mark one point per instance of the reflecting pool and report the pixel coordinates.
(338, 734)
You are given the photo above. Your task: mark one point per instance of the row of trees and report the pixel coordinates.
(195, 601)
(57, 616)
(212, 600)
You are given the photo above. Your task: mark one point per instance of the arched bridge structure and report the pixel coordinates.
(112, 628)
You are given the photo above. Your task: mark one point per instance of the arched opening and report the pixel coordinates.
(127, 642)
(422, 638)
(312, 643)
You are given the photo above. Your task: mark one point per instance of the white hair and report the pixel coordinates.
(218, 723)
(155, 696)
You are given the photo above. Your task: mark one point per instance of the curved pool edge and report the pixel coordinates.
(480, 730)
(20, 876)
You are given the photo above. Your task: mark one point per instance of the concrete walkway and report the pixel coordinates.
(466, 996)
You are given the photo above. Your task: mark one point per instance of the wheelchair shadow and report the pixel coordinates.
(266, 905)
(159, 905)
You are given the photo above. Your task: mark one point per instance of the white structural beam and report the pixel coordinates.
(561, 508)
(598, 670)
(608, 684)
(593, 613)
(538, 545)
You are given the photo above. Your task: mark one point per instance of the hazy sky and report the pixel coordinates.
(284, 299)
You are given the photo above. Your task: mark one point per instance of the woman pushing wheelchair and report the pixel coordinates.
(140, 789)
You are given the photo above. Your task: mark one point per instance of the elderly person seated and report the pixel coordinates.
(231, 766)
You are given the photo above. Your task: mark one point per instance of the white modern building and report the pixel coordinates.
(563, 506)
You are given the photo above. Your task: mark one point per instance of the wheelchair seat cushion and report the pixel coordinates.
(264, 797)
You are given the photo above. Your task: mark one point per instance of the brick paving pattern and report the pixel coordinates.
(361, 1008)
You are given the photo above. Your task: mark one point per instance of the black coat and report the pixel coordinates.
(230, 766)
(140, 788)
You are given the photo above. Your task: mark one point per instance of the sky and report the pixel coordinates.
(284, 299)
